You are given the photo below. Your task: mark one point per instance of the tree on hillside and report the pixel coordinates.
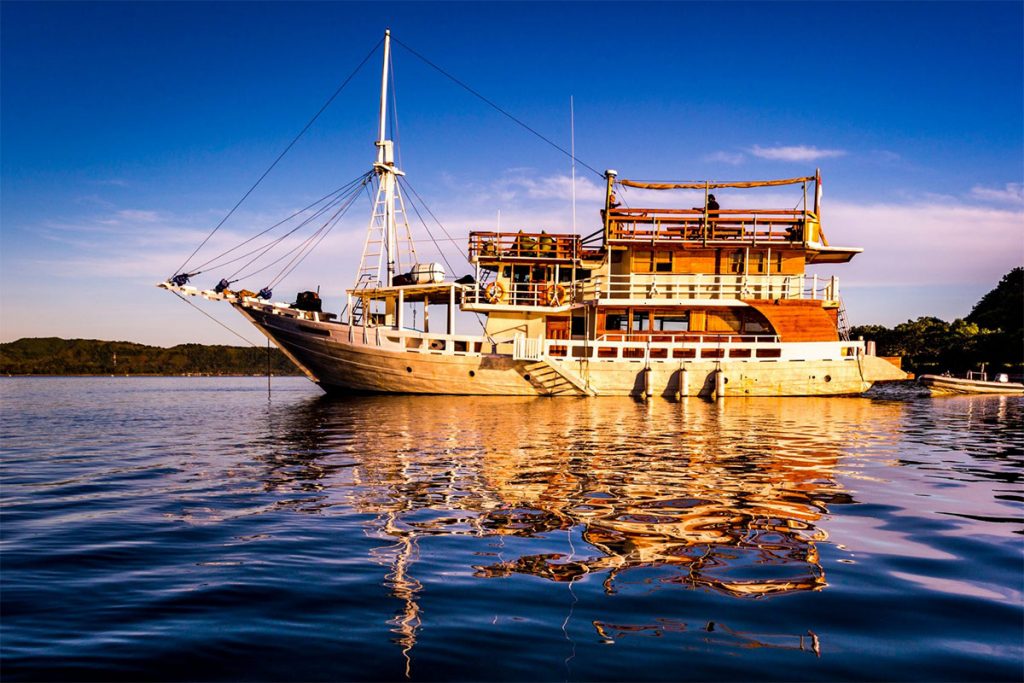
(1003, 307)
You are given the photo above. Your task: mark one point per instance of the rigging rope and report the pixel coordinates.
(203, 266)
(265, 249)
(496, 107)
(213, 319)
(280, 156)
(350, 199)
(430, 234)
(406, 182)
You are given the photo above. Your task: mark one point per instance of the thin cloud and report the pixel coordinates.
(795, 153)
(1012, 193)
(733, 158)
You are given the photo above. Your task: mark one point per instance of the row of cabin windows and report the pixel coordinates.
(731, 262)
(527, 274)
(645, 321)
(633, 321)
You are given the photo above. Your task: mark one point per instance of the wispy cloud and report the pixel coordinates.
(795, 153)
(734, 158)
(1011, 193)
(885, 156)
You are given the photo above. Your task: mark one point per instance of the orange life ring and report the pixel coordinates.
(494, 292)
(555, 294)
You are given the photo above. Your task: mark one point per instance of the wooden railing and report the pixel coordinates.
(691, 225)
(522, 245)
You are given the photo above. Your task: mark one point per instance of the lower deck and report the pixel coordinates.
(340, 356)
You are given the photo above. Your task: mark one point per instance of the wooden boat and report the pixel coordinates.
(974, 383)
(673, 302)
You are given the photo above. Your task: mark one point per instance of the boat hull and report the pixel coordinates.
(338, 358)
(947, 386)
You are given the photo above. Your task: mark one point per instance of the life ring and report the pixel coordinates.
(555, 294)
(494, 292)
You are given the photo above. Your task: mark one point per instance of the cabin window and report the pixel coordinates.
(641, 321)
(754, 327)
(760, 260)
(671, 322)
(778, 262)
(663, 262)
(736, 262)
(616, 256)
(579, 326)
(616, 322)
(642, 261)
(521, 274)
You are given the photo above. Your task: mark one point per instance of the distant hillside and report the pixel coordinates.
(54, 356)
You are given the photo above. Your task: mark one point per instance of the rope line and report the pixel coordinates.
(214, 319)
(496, 107)
(430, 234)
(439, 223)
(312, 243)
(270, 245)
(203, 266)
(350, 199)
(281, 155)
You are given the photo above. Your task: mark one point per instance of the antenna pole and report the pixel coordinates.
(572, 147)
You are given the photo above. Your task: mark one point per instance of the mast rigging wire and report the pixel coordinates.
(264, 249)
(350, 199)
(214, 319)
(281, 155)
(431, 235)
(496, 107)
(203, 266)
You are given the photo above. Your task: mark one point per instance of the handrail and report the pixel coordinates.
(771, 225)
(543, 245)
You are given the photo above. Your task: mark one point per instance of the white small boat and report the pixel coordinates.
(974, 383)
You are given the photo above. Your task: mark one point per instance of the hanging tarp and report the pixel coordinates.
(713, 185)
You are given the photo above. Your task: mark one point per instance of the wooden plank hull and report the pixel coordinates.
(947, 386)
(340, 365)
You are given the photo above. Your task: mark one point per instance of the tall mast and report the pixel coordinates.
(381, 130)
(385, 165)
(382, 255)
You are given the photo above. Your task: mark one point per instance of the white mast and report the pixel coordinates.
(385, 167)
(382, 236)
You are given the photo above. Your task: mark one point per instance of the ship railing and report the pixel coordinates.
(705, 347)
(640, 286)
(497, 246)
(689, 225)
(659, 346)
(522, 294)
(821, 288)
(527, 348)
(689, 337)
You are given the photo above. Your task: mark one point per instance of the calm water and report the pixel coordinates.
(187, 529)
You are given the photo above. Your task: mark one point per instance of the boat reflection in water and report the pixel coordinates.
(723, 497)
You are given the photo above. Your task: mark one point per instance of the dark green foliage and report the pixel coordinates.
(1003, 307)
(992, 334)
(53, 356)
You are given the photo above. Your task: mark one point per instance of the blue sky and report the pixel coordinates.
(129, 130)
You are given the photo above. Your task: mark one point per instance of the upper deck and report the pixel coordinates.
(699, 227)
(486, 246)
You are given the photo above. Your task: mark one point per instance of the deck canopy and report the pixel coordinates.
(432, 291)
(712, 184)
